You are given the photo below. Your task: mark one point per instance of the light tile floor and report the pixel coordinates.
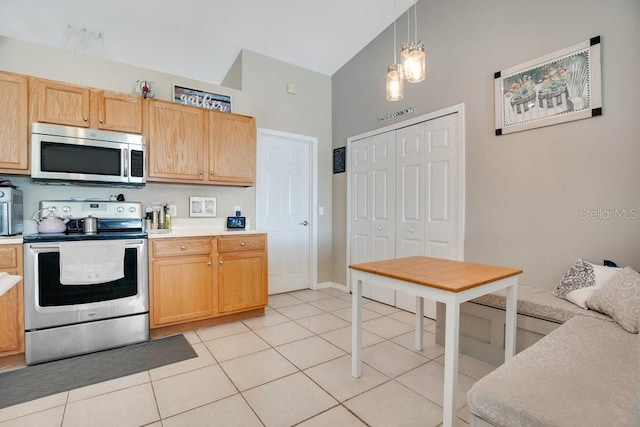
(289, 367)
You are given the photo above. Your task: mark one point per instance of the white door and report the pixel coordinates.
(428, 217)
(284, 202)
(372, 200)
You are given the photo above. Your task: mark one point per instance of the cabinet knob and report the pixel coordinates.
(86, 119)
(201, 172)
(101, 121)
(243, 244)
(209, 263)
(411, 230)
(379, 228)
(221, 262)
(184, 248)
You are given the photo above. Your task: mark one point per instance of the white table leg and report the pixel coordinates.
(419, 323)
(356, 328)
(511, 320)
(451, 362)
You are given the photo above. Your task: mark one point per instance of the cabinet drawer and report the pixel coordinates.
(180, 247)
(8, 257)
(241, 243)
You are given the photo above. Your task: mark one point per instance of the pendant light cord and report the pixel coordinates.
(415, 15)
(394, 32)
(408, 25)
(394, 43)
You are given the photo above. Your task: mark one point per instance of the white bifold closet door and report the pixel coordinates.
(405, 198)
(427, 195)
(373, 205)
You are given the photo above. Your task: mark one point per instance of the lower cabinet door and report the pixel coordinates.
(11, 326)
(182, 290)
(242, 278)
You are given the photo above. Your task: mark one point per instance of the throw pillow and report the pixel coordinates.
(582, 279)
(620, 299)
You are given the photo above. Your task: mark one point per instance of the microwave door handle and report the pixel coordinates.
(126, 162)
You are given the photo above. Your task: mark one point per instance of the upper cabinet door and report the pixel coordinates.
(232, 142)
(175, 142)
(118, 112)
(14, 126)
(60, 103)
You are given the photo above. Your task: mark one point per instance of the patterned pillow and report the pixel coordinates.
(581, 281)
(620, 299)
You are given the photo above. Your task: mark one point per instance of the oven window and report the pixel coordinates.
(64, 158)
(52, 293)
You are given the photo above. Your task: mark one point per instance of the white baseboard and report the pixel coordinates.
(334, 285)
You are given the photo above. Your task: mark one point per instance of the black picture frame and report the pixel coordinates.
(339, 159)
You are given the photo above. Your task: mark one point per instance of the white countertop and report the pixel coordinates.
(11, 240)
(197, 232)
(183, 228)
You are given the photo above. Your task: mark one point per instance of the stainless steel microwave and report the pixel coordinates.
(65, 154)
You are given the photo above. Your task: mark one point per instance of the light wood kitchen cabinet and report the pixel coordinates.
(242, 272)
(232, 149)
(181, 278)
(193, 280)
(11, 303)
(116, 111)
(60, 103)
(188, 144)
(73, 105)
(175, 143)
(14, 126)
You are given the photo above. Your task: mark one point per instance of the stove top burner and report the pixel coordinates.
(116, 220)
(75, 236)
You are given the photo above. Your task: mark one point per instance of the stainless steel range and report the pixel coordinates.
(86, 289)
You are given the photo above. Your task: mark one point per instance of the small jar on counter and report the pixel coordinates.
(167, 218)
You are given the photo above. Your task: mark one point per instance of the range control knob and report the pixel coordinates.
(132, 209)
(1, 193)
(119, 209)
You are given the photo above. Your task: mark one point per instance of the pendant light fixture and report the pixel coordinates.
(395, 76)
(413, 55)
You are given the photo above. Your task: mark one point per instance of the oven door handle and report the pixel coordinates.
(40, 246)
(128, 244)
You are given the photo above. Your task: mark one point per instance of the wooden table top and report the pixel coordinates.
(449, 275)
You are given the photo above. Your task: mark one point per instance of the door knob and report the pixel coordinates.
(305, 223)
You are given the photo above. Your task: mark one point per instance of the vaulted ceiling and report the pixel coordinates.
(200, 39)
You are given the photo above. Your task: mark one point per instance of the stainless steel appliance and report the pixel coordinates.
(11, 211)
(65, 154)
(63, 320)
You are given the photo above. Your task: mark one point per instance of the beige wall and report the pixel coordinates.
(308, 112)
(263, 95)
(527, 192)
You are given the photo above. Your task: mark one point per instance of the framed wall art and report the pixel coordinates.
(339, 159)
(202, 206)
(559, 87)
(202, 99)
